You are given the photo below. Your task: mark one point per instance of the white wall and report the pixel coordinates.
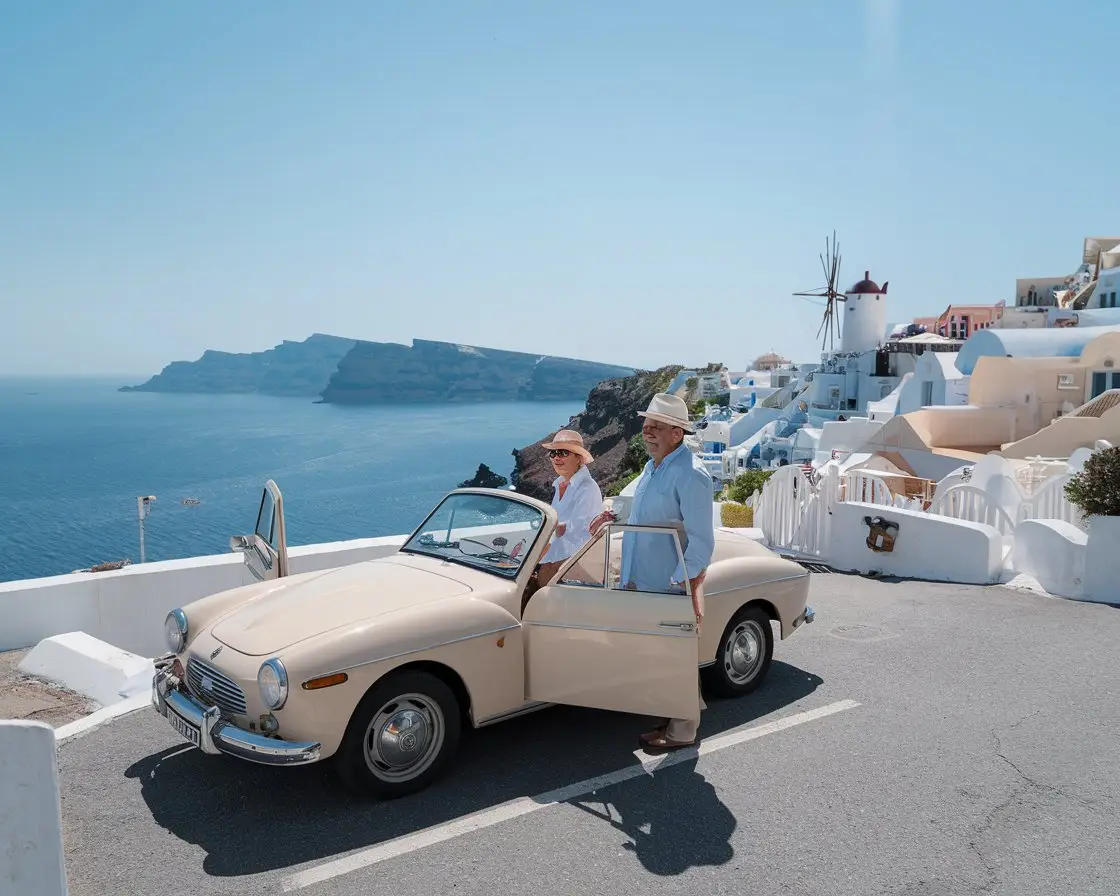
(1053, 553)
(126, 607)
(927, 547)
(31, 856)
(846, 435)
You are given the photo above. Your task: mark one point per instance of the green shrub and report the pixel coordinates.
(736, 516)
(698, 407)
(634, 460)
(615, 488)
(747, 483)
(1096, 488)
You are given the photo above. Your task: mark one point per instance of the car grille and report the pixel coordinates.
(221, 690)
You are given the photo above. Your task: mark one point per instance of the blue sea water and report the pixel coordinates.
(75, 454)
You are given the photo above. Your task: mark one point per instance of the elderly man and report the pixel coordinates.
(673, 487)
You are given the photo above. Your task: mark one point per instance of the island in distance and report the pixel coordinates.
(350, 371)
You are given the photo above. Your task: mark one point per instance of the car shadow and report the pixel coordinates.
(250, 818)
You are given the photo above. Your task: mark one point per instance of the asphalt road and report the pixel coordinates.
(980, 753)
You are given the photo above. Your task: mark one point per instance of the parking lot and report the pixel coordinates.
(916, 739)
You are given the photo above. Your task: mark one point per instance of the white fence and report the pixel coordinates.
(1049, 502)
(794, 514)
(974, 505)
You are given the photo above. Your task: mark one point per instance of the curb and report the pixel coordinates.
(103, 716)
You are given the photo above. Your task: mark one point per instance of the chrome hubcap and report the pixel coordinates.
(742, 654)
(404, 738)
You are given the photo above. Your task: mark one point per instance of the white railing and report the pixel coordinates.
(865, 487)
(1038, 472)
(794, 514)
(973, 505)
(1049, 502)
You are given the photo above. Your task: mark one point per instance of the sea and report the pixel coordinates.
(75, 453)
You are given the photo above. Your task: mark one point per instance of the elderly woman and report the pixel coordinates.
(576, 497)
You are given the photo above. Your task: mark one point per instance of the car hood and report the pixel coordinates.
(299, 607)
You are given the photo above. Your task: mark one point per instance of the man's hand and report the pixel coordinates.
(561, 528)
(694, 584)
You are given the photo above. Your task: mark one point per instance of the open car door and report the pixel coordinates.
(590, 641)
(266, 550)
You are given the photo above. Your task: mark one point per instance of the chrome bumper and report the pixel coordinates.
(204, 727)
(807, 616)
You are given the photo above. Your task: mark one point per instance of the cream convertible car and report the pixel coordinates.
(380, 664)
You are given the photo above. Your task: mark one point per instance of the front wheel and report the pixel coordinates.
(744, 654)
(402, 736)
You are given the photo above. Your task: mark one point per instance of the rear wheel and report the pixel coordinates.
(402, 736)
(744, 654)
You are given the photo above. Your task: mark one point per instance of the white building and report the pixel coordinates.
(936, 381)
(1090, 296)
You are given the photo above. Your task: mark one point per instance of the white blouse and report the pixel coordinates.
(582, 502)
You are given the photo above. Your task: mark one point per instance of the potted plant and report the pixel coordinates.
(1095, 491)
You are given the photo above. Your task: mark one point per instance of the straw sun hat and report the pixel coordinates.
(572, 441)
(669, 409)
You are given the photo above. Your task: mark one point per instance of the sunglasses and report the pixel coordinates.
(558, 452)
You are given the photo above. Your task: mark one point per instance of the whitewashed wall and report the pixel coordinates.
(32, 862)
(126, 607)
(929, 547)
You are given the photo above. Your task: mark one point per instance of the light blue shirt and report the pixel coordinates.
(679, 490)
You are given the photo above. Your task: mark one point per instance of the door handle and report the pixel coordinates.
(683, 626)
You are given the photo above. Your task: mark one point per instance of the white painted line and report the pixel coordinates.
(524, 805)
(106, 714)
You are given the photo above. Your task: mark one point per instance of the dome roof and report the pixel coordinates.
(866, 286)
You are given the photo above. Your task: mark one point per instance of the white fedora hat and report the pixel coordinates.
(669, 409)
(569, 440)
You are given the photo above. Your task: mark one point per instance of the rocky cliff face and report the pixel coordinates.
(608, 423)
(291, 368)
(384, 373)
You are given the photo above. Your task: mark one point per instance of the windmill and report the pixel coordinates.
(829, 292)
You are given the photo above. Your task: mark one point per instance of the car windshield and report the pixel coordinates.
(489, 532)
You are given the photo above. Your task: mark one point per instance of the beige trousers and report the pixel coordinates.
(684, 730)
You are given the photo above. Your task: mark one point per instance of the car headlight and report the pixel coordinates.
(272, 681)
(175, 630)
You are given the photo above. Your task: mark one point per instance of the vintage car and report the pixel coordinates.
(381, 664)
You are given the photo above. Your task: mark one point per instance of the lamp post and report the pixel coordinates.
(143, 508)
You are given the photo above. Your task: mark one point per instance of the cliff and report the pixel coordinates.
(485, 478)
(291, 368)
(608, 423)
(386, 372)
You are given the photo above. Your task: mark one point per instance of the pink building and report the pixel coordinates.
(961, 321)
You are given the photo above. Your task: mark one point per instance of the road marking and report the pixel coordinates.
(524, 805)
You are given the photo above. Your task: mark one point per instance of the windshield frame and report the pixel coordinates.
(547, 517)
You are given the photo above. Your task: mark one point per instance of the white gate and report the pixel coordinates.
(795, 516)
(1049, 502)
(973, 505)
(865, 487)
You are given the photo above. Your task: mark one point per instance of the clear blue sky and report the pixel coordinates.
(642, 182)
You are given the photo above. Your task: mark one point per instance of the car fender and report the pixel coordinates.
(779, 586)
(472, 643)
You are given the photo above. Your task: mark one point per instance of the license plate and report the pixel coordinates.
(185, 728)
